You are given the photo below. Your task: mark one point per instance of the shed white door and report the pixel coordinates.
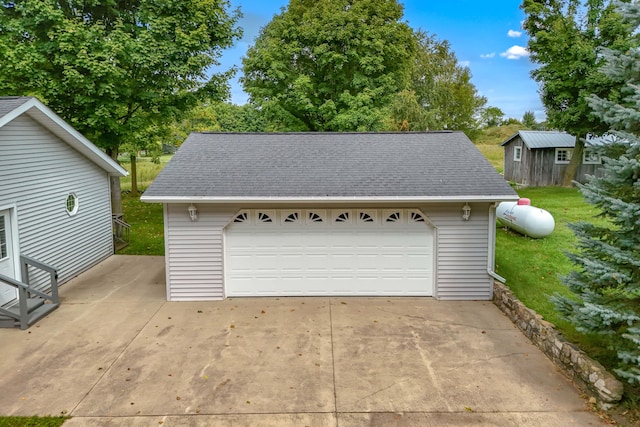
(329, 252)
(7, 261)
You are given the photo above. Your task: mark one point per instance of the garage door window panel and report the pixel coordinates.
(392, 216)
(341, 217)
(316, 217)
(290, 217)
(367, 217)
(242, 217)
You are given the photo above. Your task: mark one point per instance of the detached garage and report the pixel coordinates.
(329, 214)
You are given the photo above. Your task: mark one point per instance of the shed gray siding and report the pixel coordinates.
(538, 168)
(194, 251)
(38, 171)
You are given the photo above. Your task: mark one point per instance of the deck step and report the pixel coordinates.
(36, 309)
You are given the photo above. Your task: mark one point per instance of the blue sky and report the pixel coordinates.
(485, 36)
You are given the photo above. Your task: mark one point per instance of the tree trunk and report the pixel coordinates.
(116, 192)
(134, 176)
(576, 159)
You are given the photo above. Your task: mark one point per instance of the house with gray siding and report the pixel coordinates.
(539, 158)
(329, 214)
(55, 204)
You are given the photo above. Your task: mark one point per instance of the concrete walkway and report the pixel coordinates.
(117, 354)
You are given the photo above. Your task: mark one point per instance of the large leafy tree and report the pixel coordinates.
(563, 37)
(443, 86)
(115, 68)
(439, 94)
(329, 65)
(608, 276)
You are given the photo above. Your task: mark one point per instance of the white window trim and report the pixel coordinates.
(585, 161)
(517, 154)
(563, 162)
(76, 205)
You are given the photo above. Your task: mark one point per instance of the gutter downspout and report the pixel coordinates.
(491, 249)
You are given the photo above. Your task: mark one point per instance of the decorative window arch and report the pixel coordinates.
(241, 217)
(395, 216)
(264, 217)
(367, 216)
(342, 216)
(415, 216)
(315, 216)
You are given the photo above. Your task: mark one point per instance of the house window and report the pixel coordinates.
(517, 154)
(590, 157)
(72, 204)
(563, 155)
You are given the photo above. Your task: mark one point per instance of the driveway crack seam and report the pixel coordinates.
(333, 365)
(118, 357)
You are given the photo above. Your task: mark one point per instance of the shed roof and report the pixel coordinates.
(12, 107)
(328, 167)
(544, 139)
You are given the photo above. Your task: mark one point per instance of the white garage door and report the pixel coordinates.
(329, 252)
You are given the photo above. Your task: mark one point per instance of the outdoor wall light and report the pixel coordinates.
(466, 212)
(193, 212)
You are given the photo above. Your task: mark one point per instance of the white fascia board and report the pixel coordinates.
(289, 200)
(49, 119)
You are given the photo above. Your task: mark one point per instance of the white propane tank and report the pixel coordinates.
(524, 218)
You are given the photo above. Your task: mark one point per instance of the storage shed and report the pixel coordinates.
(539, 158)
(331, 214)
(55, 204)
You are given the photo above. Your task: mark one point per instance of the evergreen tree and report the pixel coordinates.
(608, 260)
(563, 37)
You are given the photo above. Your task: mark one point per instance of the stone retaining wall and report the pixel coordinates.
(586, 372)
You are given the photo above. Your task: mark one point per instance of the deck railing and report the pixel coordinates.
(27, 313)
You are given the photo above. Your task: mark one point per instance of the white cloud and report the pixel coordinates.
(464, 63)
(487, 55)
(515, 52)
(514, 33)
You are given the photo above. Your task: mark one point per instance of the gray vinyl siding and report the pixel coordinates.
(462, 253)
(37, 172)
(194, 254)
(195, 251)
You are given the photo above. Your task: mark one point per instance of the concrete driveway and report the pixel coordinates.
(116, 353)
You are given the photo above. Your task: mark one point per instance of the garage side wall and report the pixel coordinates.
(194, 252)
(462, 253)
(195, 257)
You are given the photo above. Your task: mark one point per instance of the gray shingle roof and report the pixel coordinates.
(10, 103)
(431, 165)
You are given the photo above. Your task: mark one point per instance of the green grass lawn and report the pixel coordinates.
(533, 267)
(32, 421)
(147, 227)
